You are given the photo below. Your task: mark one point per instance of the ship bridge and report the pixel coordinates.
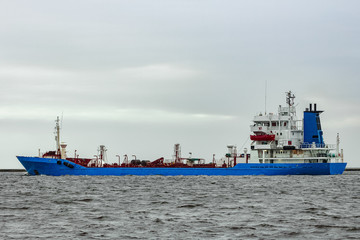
(278, 130)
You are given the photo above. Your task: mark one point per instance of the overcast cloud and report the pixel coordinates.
(139, 76)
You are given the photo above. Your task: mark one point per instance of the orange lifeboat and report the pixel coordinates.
(264, 137)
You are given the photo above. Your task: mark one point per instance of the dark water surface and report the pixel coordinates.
(200, 207)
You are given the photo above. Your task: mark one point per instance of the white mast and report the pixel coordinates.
(57, 137)
(290, 101)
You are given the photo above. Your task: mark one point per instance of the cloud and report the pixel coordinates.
(157, 72)
(132, 115)
(180, 64)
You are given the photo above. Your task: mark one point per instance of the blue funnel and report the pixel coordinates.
(312, 127)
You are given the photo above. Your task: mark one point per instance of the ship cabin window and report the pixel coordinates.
(273, 124)
(280, 134)
(284, 124)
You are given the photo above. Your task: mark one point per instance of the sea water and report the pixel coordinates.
(180, 207)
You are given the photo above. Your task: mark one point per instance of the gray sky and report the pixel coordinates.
(139, 76)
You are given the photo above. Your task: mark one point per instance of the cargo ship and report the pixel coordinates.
(281, 144)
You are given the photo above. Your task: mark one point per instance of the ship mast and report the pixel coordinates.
(57, 136)
(290, 99)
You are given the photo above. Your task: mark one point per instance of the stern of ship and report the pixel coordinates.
(337, 168)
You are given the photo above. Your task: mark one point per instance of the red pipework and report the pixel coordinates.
(158, 163)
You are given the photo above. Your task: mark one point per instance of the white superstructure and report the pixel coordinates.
(279, 138)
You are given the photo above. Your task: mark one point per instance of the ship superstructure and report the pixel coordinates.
(282, 138)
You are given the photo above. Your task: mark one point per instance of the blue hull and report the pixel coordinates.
(56, 167)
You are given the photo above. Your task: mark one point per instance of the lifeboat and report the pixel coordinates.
(264, 137)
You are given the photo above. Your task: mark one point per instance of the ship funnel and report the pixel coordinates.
(312, 127)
